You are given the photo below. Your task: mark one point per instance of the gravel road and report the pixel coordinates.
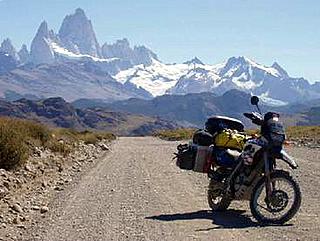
(137, 193)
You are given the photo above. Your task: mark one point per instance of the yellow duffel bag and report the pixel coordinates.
(230, 139)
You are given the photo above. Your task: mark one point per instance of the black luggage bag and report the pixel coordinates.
(186, 157)
(202, 138)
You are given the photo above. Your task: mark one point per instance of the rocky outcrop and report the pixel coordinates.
(280, 70)
(77, 34)
(195, 61)
(122, 50)
(7, 48)
(24, 54)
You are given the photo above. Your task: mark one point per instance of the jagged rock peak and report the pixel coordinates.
(195, 60)
(43, 30)
(77, 35)
(237, 60)
(41, 49)
(280, 70)
(80, 12)
(122, 49)
(6, 44)
(123, 42)
(8, 48)
(24, 48)
(24, 54)
(143, 55)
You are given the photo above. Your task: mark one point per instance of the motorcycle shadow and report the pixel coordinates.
(228, 219)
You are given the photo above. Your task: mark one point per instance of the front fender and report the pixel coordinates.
(288, 159)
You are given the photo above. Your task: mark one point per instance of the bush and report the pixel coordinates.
(19, 137)
(13, 149)
(59, 147)
(88, 137)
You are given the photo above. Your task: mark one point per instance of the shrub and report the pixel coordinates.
(59, 147)
(18, 137)
(13, 149)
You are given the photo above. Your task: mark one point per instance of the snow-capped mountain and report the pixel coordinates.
(76, 41)
(131, 71)
(155, 78)
(236, 73)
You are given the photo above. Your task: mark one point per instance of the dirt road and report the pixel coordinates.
(137, 193)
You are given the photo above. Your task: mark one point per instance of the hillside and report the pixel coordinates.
(190, 109)
(59, 113)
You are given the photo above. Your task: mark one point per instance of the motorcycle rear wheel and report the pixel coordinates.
(279, 200)
(217, 200)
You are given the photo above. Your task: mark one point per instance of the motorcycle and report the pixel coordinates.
(274, 194)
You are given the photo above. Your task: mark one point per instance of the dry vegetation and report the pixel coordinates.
(175, 135)
(292, 132)
(19, 138)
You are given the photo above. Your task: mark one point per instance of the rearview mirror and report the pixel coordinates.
(254, 100)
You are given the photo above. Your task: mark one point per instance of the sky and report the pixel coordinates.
(286, 31)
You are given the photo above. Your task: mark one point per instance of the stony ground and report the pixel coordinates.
(29, 189)
(137, 193)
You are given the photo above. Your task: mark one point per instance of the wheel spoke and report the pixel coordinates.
(263, 207)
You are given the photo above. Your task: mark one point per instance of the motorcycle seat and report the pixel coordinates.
(235, 154)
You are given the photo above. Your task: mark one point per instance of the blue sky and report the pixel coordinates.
(286, 31)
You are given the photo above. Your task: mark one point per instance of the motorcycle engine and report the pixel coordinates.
(242, 183)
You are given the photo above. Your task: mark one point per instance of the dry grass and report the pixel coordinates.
(303, 132)
(18, 138)
(292, 132)
(176, 135)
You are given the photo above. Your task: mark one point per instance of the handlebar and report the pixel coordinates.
(255, 117)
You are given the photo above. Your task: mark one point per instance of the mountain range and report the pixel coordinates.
(72, 64)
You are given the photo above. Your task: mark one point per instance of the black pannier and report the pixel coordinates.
(273, 130)
(186, 157)
(216, 124)
(202, 138)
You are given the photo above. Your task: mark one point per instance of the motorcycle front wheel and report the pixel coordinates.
(284, 202)
(217, 200)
